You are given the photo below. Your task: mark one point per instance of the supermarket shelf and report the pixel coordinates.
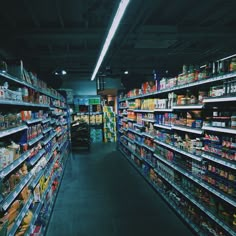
(124, 113)
(184, 86)
(44, 142)
(36, 179)
(52, 121)
(50, 154)
(149, 163)
(138, 156)
(63, 123)
(169, 127)
(219, 99)
(134, 131)
(12, 196)
(4, 172)
(47, 130)
(34, 159)
(219, 161)
(195, 157)
(148, 120)
(38, 209)
(138, 125)
(123, 107)
(33, 121)
(125, 129)
(138, 143)
(46, 120)
(187, 129)
(49, 94)
(58, 113)
(143, 111)
(130, 119)
(15, 79)
(196, 203)
(148, 135)
(168, 201)
(120, 131)
(184, 107)
(221, 130)
(35, 140)
(59, 107)
(10, 131)
(128, 139)
(163, 110)
(149, 148)
(61, 133)
(196, 180)
(61, 145)
(50, 168)
(20, 103)
(20, 217)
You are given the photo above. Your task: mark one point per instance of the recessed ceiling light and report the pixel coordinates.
(126, 72)
(63, 72)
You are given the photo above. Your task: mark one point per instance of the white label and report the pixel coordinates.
(15, 195)
(18, 223)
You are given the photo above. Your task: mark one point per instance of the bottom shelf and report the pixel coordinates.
(196, 218)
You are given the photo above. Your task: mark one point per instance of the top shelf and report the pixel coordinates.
(184, 86)
(18, 81)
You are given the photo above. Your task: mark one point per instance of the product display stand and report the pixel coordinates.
(181, 138)
(87, 109)
(80, 135)
(34, 148)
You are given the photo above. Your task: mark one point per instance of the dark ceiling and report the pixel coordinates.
(154, 34)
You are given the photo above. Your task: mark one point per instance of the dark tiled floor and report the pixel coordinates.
(103, 195)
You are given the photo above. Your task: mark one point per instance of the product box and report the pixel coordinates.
(149, 87)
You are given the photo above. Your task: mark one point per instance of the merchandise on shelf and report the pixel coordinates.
(30, 150)
(183, 142)
(109, 124)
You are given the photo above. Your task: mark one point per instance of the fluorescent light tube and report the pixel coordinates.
(115, 23)
(234, 55)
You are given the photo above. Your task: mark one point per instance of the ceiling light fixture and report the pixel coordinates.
(126, 72)
(63, 72)
(115, 23)
(234, 55)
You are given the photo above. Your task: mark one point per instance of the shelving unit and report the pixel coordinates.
(177, 156)
(37, 156)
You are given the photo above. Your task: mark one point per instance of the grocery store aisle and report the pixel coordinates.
(102, 194)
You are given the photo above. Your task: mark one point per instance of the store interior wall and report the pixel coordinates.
(80, 86)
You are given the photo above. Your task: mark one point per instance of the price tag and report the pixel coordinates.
(14, 194)
(11, 167)
(18, 222)
(5, 205)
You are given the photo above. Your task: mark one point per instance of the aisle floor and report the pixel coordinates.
(103, 195)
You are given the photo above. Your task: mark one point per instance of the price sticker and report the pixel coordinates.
(14, 194)
(5, 205)
(18, 222)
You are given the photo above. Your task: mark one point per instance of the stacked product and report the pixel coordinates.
(32, 152)
(109, 124)
(183, 143)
